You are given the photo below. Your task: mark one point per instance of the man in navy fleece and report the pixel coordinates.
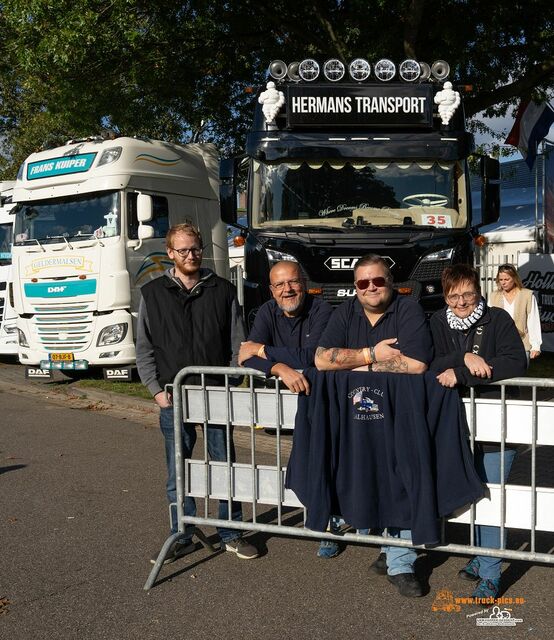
(284, 338)
(380, 330)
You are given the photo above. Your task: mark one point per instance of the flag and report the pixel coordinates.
(533, 122)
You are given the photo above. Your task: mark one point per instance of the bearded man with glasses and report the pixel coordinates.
(382, 331)
(189, 316)
(283, 339)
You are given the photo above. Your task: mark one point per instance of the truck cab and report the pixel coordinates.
(339, 167)
(90, 225)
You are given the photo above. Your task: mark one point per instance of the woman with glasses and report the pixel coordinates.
(522, 306)
(476, 344)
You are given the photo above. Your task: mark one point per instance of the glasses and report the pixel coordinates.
(279, 286)
(196, 251)
(468, 296)
(363, 284)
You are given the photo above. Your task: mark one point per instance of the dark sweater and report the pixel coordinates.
(501, 347)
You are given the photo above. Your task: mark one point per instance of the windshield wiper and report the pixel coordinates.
(60, 238)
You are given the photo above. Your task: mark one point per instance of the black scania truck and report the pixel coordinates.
(336, 169)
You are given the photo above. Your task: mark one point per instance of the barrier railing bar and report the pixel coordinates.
(253, 423)
(510, 554)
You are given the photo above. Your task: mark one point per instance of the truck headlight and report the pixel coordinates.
(444, 254)
(22, 339)
(112, 334)
(276, 256)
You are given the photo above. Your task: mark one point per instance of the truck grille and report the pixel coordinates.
(430, 269)
(336, 293)
(63, 327)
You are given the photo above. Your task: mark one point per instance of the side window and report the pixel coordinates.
(160, 220)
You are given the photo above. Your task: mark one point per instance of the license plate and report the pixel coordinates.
(61, 357)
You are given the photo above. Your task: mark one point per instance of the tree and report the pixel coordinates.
(173, 70)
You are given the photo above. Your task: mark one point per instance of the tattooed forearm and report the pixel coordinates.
(336, 358)
(396, 365)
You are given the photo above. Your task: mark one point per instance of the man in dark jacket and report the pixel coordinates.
(189, 316)
(283, 339)
(385, 332)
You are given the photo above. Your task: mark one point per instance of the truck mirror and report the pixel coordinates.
(145, 232)
(228, 190)
(144, 208)
(490, 190)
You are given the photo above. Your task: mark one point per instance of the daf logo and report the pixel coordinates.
(347, 263)
(123, 373)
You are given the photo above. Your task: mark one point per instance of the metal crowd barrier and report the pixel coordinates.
(248, 407)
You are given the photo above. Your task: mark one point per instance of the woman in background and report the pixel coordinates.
(522, 306)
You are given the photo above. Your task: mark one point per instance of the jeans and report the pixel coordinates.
(400, 559)
(217, 449)
(487, 465)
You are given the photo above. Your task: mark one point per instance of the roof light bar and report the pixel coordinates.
(333, 70)
(308, 70)
(385, 70)
(359, 69)
(409, 70)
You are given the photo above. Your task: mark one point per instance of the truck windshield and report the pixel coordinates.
(91, 215)
(357, 193)
(6, 243)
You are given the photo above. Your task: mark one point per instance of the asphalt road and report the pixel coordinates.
(83, 508)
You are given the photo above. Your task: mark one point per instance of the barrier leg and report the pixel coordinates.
(160, 561)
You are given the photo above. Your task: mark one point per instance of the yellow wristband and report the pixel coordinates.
(261, 351)
(367, 357)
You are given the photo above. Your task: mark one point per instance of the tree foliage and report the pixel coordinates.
(174, 70)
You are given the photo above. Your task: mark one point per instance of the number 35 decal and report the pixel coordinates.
(437, 220)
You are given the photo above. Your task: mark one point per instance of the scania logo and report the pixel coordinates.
(346, 293)
(347, 263)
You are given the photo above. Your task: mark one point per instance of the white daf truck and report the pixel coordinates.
(8, 331)
(90, 225)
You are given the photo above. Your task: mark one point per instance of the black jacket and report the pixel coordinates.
(179, 328)
(501, 347)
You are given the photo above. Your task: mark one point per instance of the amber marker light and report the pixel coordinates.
(238, 241)
(248, 90)
(405, 291)
(480, 241)
(82, 277)
(315, 291)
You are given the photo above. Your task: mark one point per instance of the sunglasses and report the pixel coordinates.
(362, 285)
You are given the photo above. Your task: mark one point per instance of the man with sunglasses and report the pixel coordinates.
(382, 331)
(283, 339)
(189, 316)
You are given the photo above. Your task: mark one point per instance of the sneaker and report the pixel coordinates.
(380, 565)
(471, 571)
(177, 550)
(407, 584)
(243, 549)
(487, 588)
(328, 549)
